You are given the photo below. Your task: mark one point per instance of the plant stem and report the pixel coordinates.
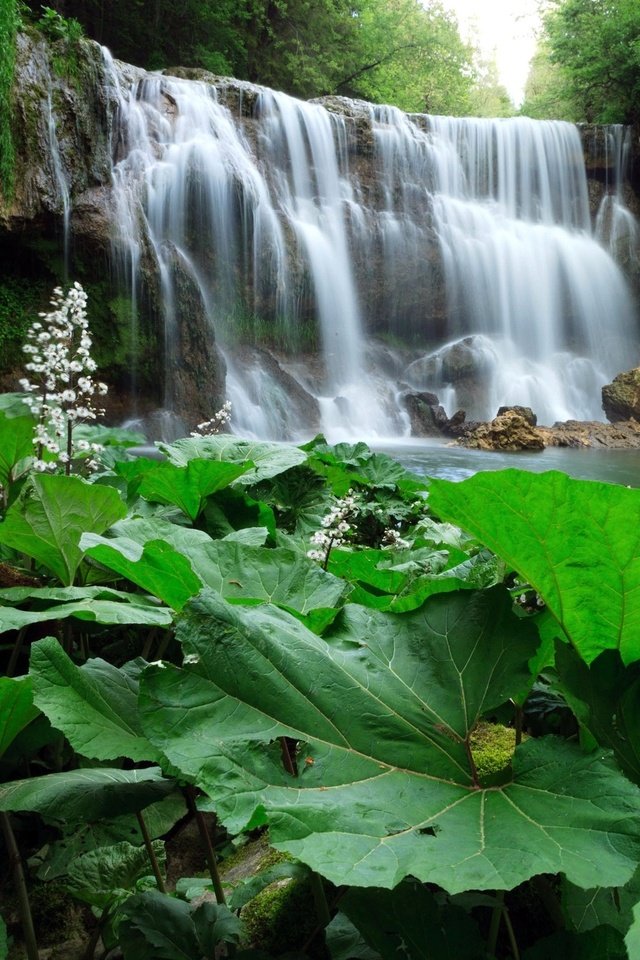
(15, 653)
(67, 466)
(494, 927)
(30, 943)
(209, 851)
(286, 757)
(151, 853)
(95, 936)
(511, 935)
(148, 644)
(519, 718)
(472, 763)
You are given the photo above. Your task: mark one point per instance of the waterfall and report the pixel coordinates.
(369, 252)
(61, 181)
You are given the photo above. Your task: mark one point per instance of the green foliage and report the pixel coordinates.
(595, 46)
(545, 95)
(401, 52)
(381, 719)
(94, 705)
(415, 925)
(9, 20)
(51, 514)
(157, 927)
(387, 678)
(19, 300)
(557, 533)
(87, 794)
(110, 873)
(67, 32)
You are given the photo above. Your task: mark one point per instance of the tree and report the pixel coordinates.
(596, 46)
(401, 52)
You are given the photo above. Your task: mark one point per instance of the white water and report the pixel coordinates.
(61, 181)
(270, 219)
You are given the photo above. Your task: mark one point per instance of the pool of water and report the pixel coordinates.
(435, 458)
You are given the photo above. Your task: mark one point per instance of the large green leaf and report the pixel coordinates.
(188, 486)
(95, 705)
(155, 566)
(188, 559)
(408, 922)
(16, 708)
(77, 839)
(107, 872)
(98, 611)
(384, 706)
(399, 586)
(241, 572)
(602, 943)
(51, 514)
(157, 927)
(266, 459)
(16, 436)
(87, 794)
(586, 909)
(577, 542)
(632, 939)
(605, 696)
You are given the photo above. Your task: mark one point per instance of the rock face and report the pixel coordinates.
(70, 130)
(621, 398)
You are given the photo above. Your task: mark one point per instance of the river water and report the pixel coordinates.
(435, 458)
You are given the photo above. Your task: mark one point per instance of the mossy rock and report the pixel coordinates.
(281, 918)
(492, 747)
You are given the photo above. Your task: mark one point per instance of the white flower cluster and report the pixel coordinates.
(335, 527)
(61, 390)
(217, 422)
(392, 538)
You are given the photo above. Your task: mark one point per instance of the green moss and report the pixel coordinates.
(9, 20)
(20, 301)
(282, 917)
(492, 747)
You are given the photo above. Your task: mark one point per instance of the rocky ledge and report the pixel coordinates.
(510, 432)
(515, 428)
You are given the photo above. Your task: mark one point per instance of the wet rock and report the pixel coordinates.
(621, 398)
(624, 435)
(196, 388)
(507, 432)
(525, 412)
(427, 417)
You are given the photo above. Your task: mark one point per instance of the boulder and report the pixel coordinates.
(508, 432)
(427, 417)
(525, 412)
(621, 398)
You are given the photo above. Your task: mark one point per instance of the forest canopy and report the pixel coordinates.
(402, 52)
(588, 63)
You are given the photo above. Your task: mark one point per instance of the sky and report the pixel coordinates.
(504, 29)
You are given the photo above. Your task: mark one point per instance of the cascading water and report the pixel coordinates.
(62, 185)
(297, 237)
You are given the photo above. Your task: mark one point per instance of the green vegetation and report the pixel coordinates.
(402, 52)
(588, 66)
(366, 707)
(8, 27)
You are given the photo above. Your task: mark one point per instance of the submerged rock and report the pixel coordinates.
(621, 398)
